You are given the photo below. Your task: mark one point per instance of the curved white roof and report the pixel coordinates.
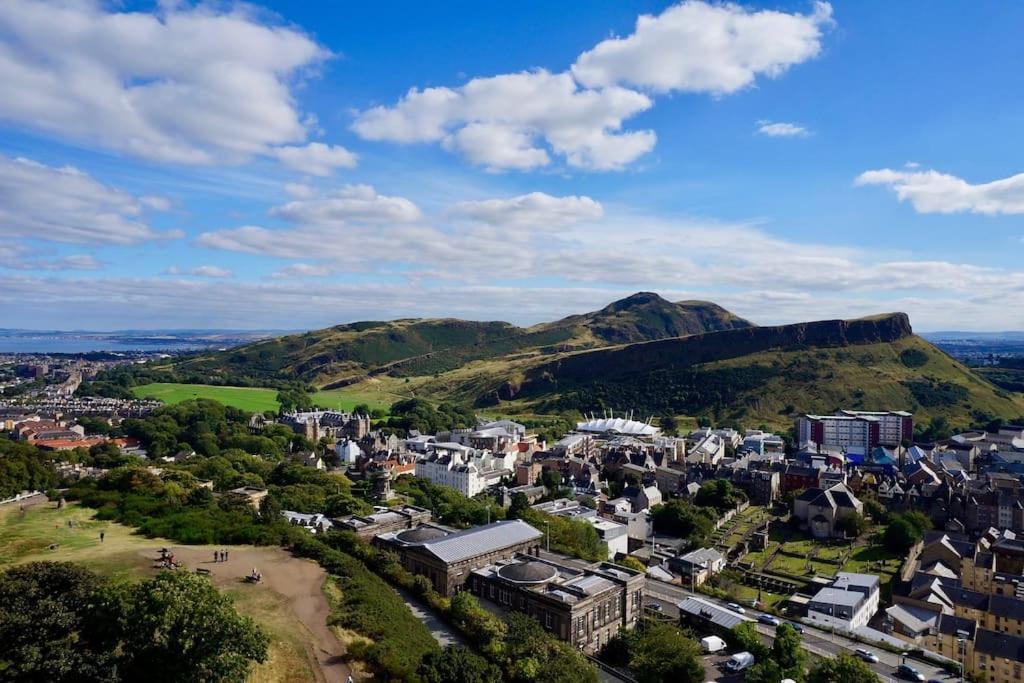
(617, 425)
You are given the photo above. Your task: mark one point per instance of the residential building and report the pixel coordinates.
(463, 468)
(847, 604)
(251, 494)
(856, 431)
(697, 566)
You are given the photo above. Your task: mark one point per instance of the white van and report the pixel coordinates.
(740, 661)
(712, 644)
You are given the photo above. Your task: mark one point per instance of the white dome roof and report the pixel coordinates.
(617, 425)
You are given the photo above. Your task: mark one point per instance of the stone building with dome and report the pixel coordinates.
(585, 607)
(448, 557)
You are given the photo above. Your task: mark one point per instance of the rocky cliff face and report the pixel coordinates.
(706, 348)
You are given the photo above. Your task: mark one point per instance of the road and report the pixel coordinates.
(817, 641)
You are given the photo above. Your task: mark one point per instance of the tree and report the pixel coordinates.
(845, 668)
(663, 653)
(719, 494)
(457, 665)
(854, 525)
(552, 479)
(788, 652)
(519, 503)
(767, 671)
(52, 624)
(744, 637)
(177, 627)
(876, 510)
(904, 530)
(668, 423)
(633, 563)
(532, 654)
(683, 519)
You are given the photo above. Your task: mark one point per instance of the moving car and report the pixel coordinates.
(797, 627)
(866, 655)
(909, 673)
(768, 619)
(736, 608)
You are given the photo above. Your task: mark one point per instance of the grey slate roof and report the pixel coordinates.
(709, 611)
(481, 540)
(1002, 645)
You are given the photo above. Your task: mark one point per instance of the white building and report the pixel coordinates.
(348, 452)
(465, 469)
(847, 604)
(856, 431)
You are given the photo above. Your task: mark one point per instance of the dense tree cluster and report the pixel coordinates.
(24, 467)
(448, 505)
(60, 622)
(843, 667)
(655, 651)
(415, 413)
(685, 520)
(904, 530)
(719, 494)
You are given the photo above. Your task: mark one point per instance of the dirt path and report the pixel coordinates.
(298, 580)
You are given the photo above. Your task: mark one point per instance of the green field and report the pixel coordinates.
(260, 399)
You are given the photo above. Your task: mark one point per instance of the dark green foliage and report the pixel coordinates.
(876, 510)
(854, 525)
(24, 467)
(457, 665)
(845, 668)
(655, 651)
(59, 622)
(448, 505)
(719, 494)
(530, 654)
(672, 390)
(913, 358)
(682, 518)
(415, 413)
(744, 637)
(932, 393)
(570, 536)
(904, 530)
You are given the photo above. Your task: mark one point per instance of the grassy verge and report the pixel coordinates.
(258, 399)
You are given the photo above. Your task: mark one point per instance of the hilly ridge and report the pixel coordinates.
(344, 354)
(643, 353)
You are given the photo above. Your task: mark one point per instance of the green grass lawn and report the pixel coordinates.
(260, 399)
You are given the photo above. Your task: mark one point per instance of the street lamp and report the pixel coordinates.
(547, 534)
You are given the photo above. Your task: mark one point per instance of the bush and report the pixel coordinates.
(913, 358)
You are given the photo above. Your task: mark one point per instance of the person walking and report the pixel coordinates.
(102, 536)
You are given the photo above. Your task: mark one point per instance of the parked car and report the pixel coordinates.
(739, 661)
(866, 655)
(768, 619)
(909, 673)
(736, 608)
(654, 605)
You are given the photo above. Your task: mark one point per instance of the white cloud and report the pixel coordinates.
(300, 270)
(184, 84)
(715, 48)
(211, 271)
(934, 192)
(523, 120)
(781, 129)
(535, 210)
(299, 191)
(15, 256)
(354, 225)
(67, 205)
(517, 120)
(316, 158)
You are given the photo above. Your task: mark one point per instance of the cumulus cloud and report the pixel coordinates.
(533, 210)
(781, 129)
(66, 205)
(183, 84)
(516, 121)
(211, 271)
(316, 158)
(934, 192)
(522, 120)
(704, 47)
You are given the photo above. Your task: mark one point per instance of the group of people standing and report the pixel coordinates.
(220, 555)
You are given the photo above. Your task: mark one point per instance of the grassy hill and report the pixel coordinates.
(642, 353)
(413, 347)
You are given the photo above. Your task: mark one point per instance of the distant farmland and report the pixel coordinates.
(258, 399)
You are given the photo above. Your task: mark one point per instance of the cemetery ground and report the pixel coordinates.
(291, 604)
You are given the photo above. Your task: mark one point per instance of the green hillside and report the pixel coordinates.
(414, 347)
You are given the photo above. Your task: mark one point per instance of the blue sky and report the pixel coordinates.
(304, 164)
